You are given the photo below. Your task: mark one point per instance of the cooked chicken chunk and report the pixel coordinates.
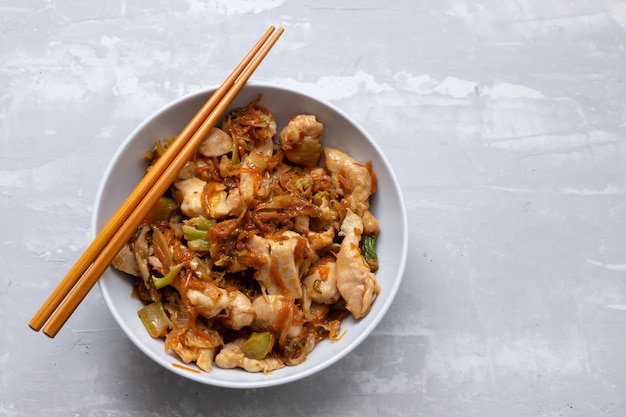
(217, 143)
(275, 313)
(321, 240)
(125, 261)
(251, 175)
(222, 203)
(279, 256)
(231, 356)
(342, 168)
(240, 310)
(272, 312)
(203, 356)
(301, 140)
(188, 194)
(210, 301)
(370, 224)
(355, 282)
(321, 281)
(284, 263)
(198, 345)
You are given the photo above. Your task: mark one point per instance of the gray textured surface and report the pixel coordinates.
(505, 121)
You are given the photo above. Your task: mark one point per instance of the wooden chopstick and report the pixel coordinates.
(101, 252)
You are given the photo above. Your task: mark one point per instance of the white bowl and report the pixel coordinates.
(340, 131)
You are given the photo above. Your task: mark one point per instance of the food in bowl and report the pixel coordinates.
(263, 245)
(342, 132)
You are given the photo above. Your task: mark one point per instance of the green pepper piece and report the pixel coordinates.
(191, 233)
(168, 278)
(154, 319)
(368, 250)
(199, 245)
(258, 345)
(163, 209)
(195, 232)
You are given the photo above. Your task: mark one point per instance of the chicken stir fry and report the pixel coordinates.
(262, 246)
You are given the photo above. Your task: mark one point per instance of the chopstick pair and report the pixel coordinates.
(83, 275)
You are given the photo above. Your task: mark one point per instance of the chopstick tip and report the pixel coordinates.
(50, 332)
(34, 327)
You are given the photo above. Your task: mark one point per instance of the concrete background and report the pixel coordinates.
(504, 120)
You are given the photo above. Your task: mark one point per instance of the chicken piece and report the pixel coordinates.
(216, 143)
(274, 313)
(188, 194)
(259, 254)
(210, 300)
(301, 140)
(225, 165)
(355, 282)
(284, 255)
(234, 203)
(231, 356)
(370, 224)
(321, 281)
(279, 257)
(202, 356)
(321, 240)
(271, 312)
(205, 358)
(240, 310)
(248, 184)
(251, 175)
(125, 261)
(344, 171)
(197, 344)
(222, 203)
(329, 213)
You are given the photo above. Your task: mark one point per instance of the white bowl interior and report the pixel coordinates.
(127, 168)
